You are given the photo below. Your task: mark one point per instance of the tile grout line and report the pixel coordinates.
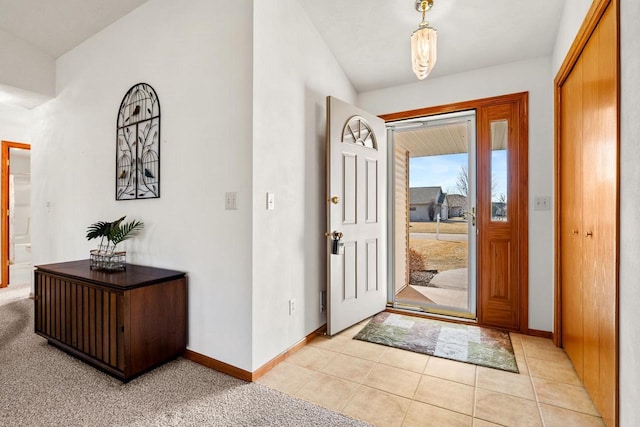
(535, 391)
(526, 356)
(475, 393)
(406, 412)
(350, 399)
(378, 362)
(319, 371)
(412, 399)
(562, 383)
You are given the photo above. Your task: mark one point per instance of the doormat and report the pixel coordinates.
(464, 343)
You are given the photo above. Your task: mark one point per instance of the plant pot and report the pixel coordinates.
(107, 259)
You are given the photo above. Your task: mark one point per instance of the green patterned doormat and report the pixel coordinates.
(465, 343)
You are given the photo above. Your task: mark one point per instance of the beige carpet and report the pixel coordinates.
(14, 293)
(43, 386)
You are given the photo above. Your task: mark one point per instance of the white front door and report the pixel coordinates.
(356, 213)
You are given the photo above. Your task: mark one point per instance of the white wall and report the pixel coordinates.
(293, 73)
(629, 211)
(199, 60)
(24, 68)
(570, 22)
(15, 124)
(535, 77)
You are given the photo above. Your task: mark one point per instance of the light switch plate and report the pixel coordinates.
(271, 201)
(542, 203)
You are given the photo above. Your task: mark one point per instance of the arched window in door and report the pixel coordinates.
(138, 144)
(357, 131)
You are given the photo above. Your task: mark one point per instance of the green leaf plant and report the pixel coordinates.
(114, 232)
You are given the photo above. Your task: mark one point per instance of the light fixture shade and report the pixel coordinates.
(423, 50)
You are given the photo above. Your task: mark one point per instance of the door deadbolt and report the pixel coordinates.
(336, 245)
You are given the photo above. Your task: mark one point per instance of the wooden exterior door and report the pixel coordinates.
(587, 147)
(502, 219)
(502, 126)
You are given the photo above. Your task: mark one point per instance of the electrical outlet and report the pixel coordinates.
(323, 301)
(231, 201)
(292, 306)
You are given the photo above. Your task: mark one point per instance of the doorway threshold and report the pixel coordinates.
(432, 313)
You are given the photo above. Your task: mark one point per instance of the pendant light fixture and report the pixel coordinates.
(423, 43)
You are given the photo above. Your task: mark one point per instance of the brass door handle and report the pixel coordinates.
(574, 231)
(588, 233)
(335, 200)
(473, 215)
(336, 235)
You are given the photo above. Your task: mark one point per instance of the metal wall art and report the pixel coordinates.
(138, 145)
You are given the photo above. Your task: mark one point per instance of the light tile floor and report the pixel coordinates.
(390, 387)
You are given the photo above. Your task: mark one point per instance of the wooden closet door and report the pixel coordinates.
(571, 217)
(589, 204)
(605, 221)
(600, 214)
(590, 179)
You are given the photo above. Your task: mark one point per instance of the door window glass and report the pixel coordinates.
(357, 131)
(499, 170)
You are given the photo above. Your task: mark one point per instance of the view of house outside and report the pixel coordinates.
(438, 230)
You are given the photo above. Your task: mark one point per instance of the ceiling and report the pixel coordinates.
(435, 137)
(370, 38)
(57, 26)
(435, 141)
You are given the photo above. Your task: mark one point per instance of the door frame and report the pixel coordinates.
(523, 233)
(394, 128)
(4, 227)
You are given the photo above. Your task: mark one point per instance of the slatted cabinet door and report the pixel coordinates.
(81, 316)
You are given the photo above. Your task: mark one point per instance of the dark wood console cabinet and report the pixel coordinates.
(124, 323)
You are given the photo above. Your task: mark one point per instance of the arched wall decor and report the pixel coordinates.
(138, 144)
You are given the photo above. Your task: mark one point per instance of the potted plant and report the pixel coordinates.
(106, 257)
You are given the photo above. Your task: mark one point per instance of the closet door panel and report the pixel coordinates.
(591, 211)
(606, 222)
(571, 217)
